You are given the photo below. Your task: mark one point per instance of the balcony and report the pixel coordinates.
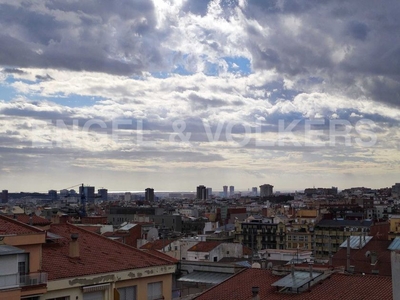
(16, 280)
(33, 279)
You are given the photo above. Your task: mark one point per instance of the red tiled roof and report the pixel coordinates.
(35, 219)
(362, 263)
(157, 244)
(12, 226)
(98, 254)
(338, 286)
(204, 246)
(95, 229)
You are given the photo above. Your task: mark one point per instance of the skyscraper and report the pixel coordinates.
(231, 190)
(254, 191)
(103, 193)
(209, 193)
(201, 192)
(53, 195)
(266, 190)
(4, 196)
(88, 191)
(225, 187)
(149, 194)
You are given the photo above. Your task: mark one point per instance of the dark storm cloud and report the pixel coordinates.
(117, 37)
(13, 71)
(358, 30)
(44, 78)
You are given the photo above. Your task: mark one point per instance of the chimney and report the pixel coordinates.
(74, 245)
(255, 293)
(30, 220)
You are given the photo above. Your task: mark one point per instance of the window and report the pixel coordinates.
(127, 293)
(154, 290)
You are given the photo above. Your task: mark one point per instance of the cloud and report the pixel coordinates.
(171, 87)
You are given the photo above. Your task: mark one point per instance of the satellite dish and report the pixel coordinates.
(368, 253)
(152, 235)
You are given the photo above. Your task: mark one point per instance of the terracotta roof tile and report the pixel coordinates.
(12, 226)
(98, 254)
(35, 219)
(338, 286)
(157, 244)
(204, 246)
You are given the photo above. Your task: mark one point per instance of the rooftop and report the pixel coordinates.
(36, 220)
(204, 246)
(337, 286)
(98, 254)
(10, 226)
(157, 244)
(344, 223)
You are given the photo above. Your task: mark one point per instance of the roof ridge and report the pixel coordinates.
(8, 219)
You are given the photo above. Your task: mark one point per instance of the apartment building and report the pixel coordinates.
(68, 262)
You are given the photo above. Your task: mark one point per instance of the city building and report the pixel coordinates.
(88, 191)
(254, 191)
(394, 230)
(53, 195)
(266, 190)
(149, 195)
(103, 193)
(201, 192)
(231, 190)
(257, 234)
(119, 215)
(21, 267)
(4, 196)
(214, 251)
(330, 234)
(128, 234)
(225, 191)
(209, 193)
(168, 222)
(84, 265)
(396, 189)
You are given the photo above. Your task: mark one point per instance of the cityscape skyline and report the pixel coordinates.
(175, 94)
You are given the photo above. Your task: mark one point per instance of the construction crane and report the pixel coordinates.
(82, 209)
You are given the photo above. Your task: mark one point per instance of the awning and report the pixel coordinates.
(205, 277)
(95, 288)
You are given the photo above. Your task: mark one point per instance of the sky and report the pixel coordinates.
(127, 95)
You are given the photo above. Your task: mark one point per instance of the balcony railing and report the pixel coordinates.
(17, 280)
(33, 279)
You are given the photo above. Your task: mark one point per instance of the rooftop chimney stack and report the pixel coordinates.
(74, 245)
(255, 293)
